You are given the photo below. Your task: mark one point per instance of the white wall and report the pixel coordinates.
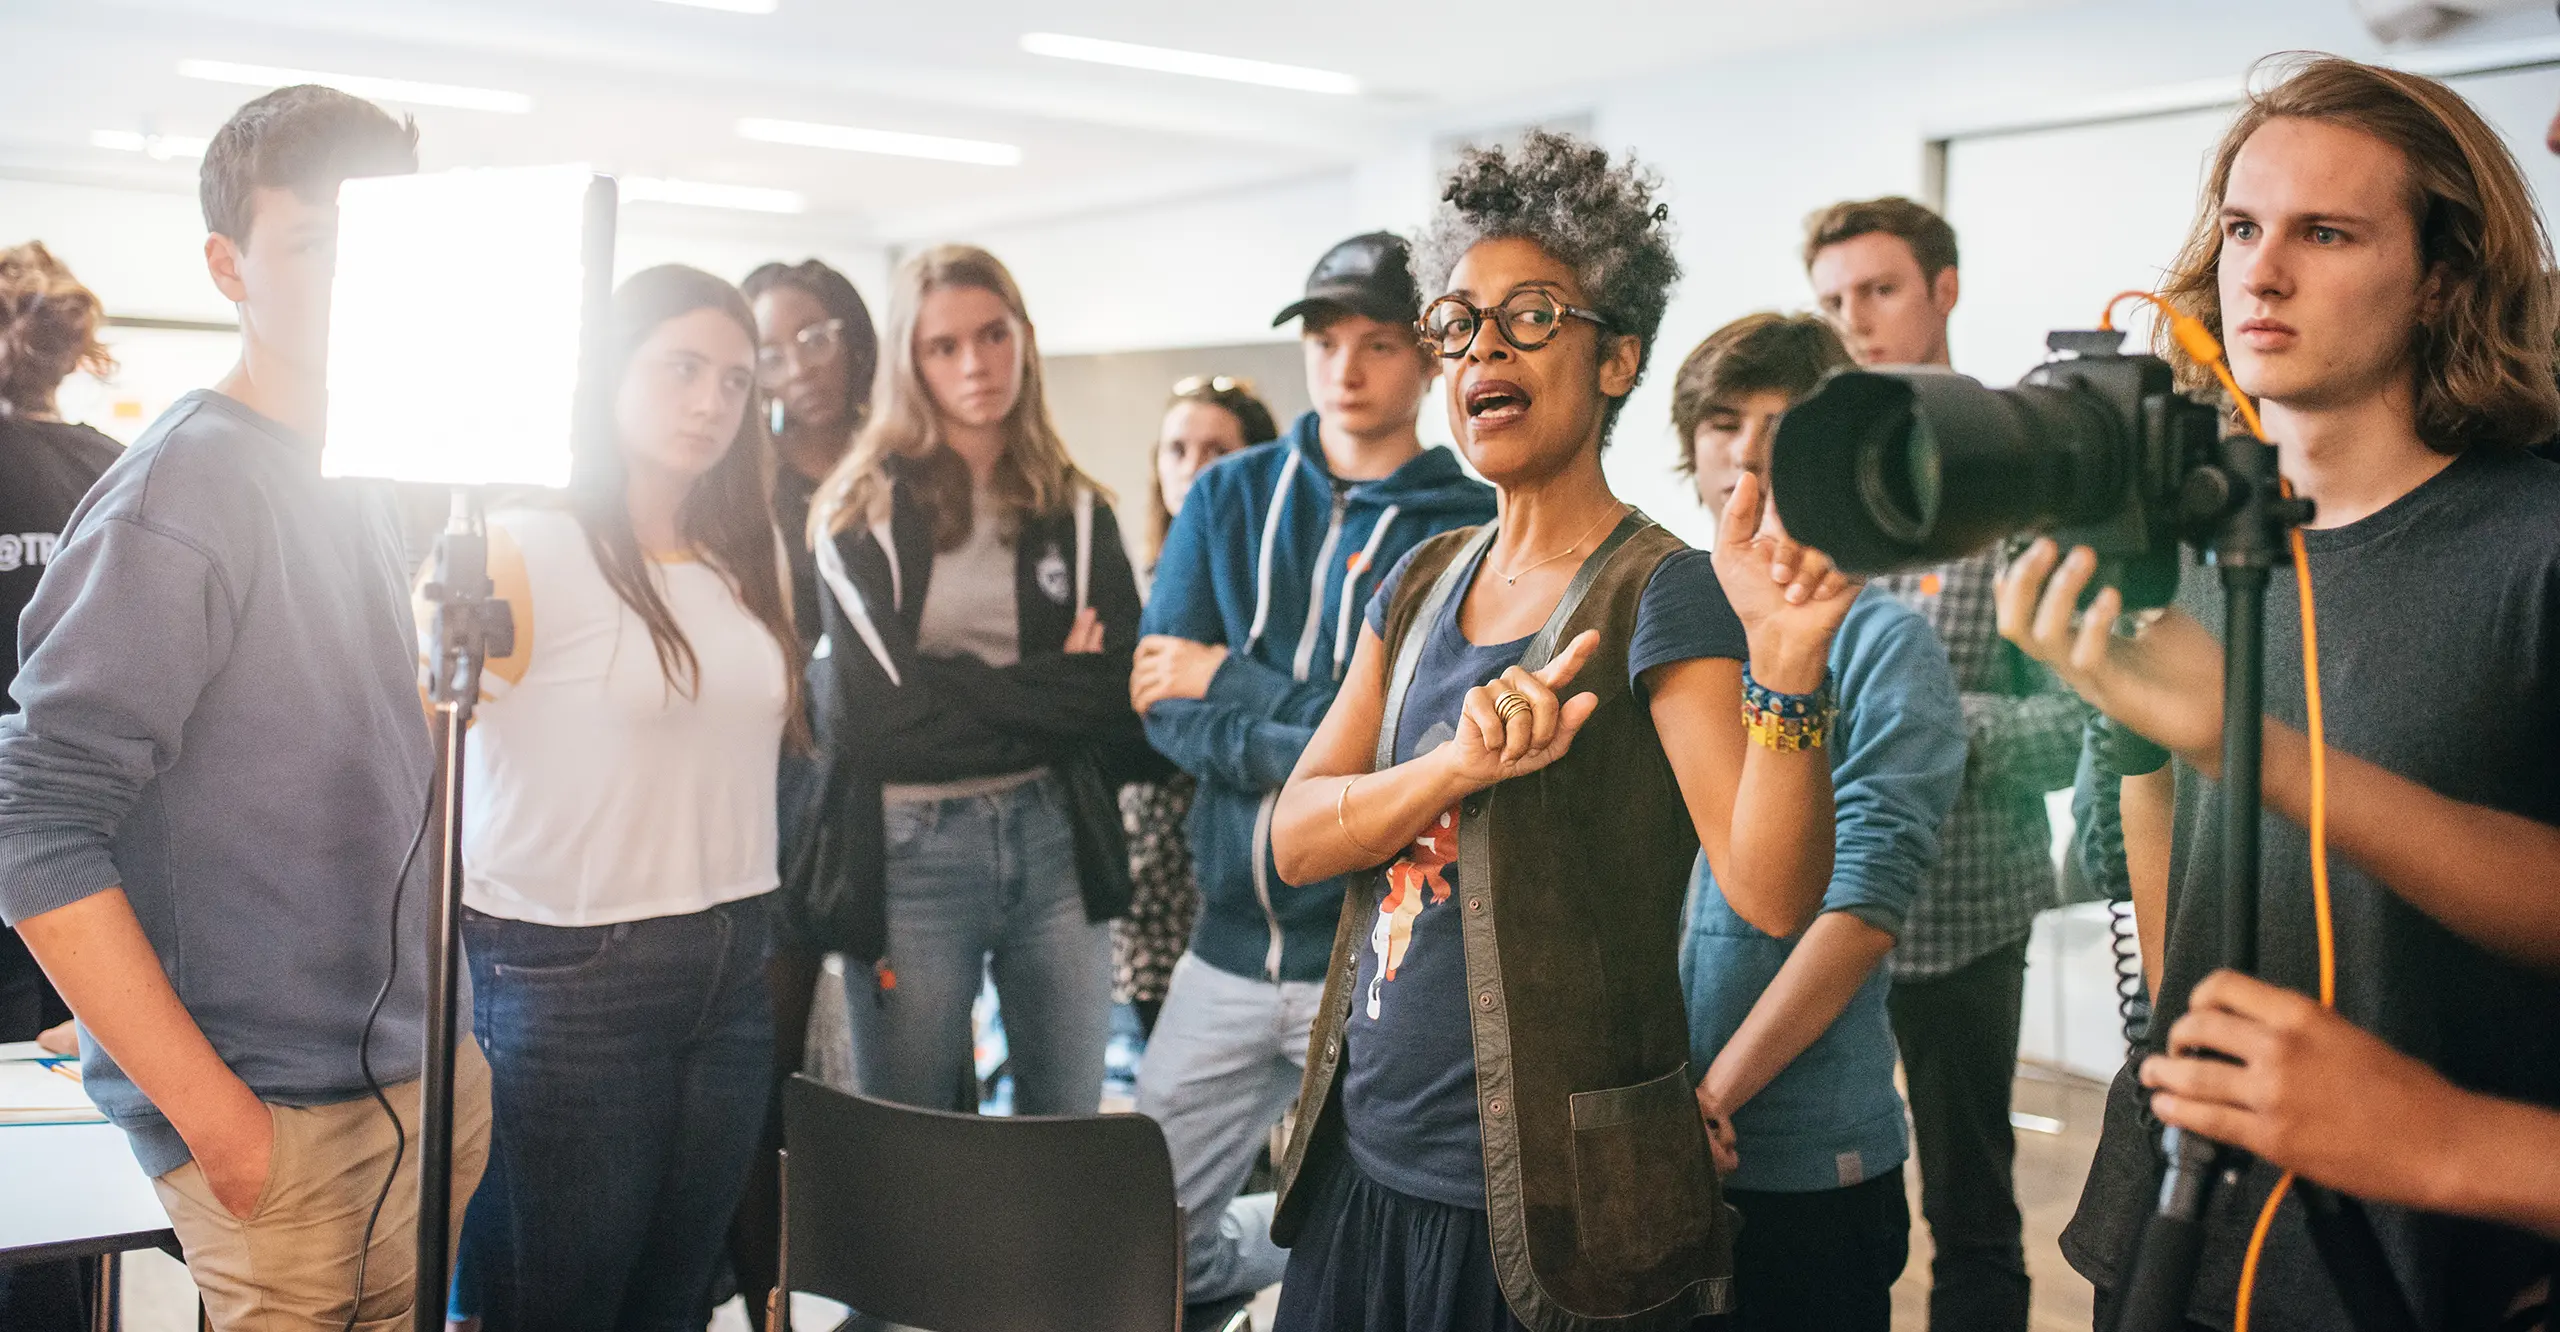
(1196, 273)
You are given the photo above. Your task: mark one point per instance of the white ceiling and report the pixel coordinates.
(650, 88)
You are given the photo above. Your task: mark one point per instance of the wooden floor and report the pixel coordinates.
(2050, 1169)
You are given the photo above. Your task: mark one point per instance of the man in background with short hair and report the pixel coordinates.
(1884, 273)
(210, 802)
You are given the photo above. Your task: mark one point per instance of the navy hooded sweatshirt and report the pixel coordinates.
(1275, 558)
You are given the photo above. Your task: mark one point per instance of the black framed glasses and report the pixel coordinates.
(1529, 319)
(815, 345)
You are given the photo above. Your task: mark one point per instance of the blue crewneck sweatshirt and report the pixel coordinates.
(1275, 558)
(219, 712)
(1832, 1118)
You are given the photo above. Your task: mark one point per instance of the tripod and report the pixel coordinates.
(469, 627)
(2249, 521)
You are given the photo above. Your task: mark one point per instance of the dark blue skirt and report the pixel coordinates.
(1371, 1259)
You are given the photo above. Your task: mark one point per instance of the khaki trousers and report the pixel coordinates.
(290, 1265)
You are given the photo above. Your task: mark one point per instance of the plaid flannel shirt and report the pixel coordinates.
(2022, 727)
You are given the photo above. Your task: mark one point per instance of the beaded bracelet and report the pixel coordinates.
(1788, 723)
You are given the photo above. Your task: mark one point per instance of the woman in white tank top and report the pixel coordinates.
(618, 839)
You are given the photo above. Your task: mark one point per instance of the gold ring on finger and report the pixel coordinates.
(1511, 705)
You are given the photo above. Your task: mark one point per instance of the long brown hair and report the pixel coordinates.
(728, 517)
(1035, 477)
(2484, 362)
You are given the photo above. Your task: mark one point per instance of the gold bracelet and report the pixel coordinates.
(1342, 820)
(1788, 735)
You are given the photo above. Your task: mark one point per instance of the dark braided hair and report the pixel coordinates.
(1569, 198)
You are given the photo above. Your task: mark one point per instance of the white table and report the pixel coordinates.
(75, 1191)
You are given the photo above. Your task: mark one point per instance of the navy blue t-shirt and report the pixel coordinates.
(1409, 1081)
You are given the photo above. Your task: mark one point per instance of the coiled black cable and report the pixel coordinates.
(2133, 995)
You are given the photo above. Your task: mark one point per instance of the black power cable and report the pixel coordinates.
(364, 1061)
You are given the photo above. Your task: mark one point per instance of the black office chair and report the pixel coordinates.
(969, 1223)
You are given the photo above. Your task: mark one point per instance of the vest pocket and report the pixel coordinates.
(1642, 1181)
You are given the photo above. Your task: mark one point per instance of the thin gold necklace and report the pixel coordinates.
(1513, 579)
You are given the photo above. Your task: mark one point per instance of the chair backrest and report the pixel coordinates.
(969, 1223)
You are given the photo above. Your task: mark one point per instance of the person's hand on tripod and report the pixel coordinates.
(2164, 680)
(2271, 1072)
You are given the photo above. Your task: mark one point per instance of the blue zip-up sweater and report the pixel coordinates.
(1831, 1118)
(1274, 558)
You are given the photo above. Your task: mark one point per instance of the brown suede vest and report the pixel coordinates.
(1599, 1188)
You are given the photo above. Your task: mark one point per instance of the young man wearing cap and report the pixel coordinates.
(1255, 611)
(1884, 274)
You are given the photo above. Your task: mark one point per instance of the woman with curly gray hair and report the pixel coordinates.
(1547, 718)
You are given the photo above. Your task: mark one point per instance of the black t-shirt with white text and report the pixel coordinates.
(2439, 641)
(45, 468)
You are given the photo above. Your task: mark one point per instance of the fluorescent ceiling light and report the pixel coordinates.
(703, 194)
(852, 140)
(162, 147)
(732, 6)
(1198, 64)
(361, 85)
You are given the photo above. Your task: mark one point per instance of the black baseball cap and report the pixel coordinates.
(1370, 275)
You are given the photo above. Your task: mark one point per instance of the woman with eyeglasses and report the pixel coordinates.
(1209, 417)
(1545, 720)
(815, 355)
(619, 838)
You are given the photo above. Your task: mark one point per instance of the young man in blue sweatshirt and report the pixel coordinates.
(1791, 1036)
(209, 798)
(1253, 617)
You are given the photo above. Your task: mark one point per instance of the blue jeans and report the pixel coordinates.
(630, 1069)
(985, 883)
(1222, 1067)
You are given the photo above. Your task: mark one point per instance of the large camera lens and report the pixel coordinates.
(1892, 469)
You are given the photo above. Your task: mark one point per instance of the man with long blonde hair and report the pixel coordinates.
(2371, 255)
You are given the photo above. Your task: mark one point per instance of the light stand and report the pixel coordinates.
(2247, 542)
(410, 316)
(470, 626)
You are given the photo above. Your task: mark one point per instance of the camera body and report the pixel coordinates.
(2170, 438)
(1897, 468)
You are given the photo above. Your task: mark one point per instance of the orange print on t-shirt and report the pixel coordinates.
(1423, 869)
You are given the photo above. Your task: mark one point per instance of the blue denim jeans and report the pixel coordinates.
(979, 884)
(1222, 1067)
(630, 1069)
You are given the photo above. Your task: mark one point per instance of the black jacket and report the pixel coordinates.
(883, 712)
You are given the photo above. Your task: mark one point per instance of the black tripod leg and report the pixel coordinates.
(2172, 1243)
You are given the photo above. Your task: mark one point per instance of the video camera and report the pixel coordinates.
(1891, 469)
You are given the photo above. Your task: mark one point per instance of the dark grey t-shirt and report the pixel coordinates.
(2439, 623)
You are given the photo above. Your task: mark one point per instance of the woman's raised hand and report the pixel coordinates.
(1499, 740)
(1790, 597)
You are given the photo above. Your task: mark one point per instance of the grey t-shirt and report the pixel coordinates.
(220, 714)
(969, 606)
(2439, 627)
